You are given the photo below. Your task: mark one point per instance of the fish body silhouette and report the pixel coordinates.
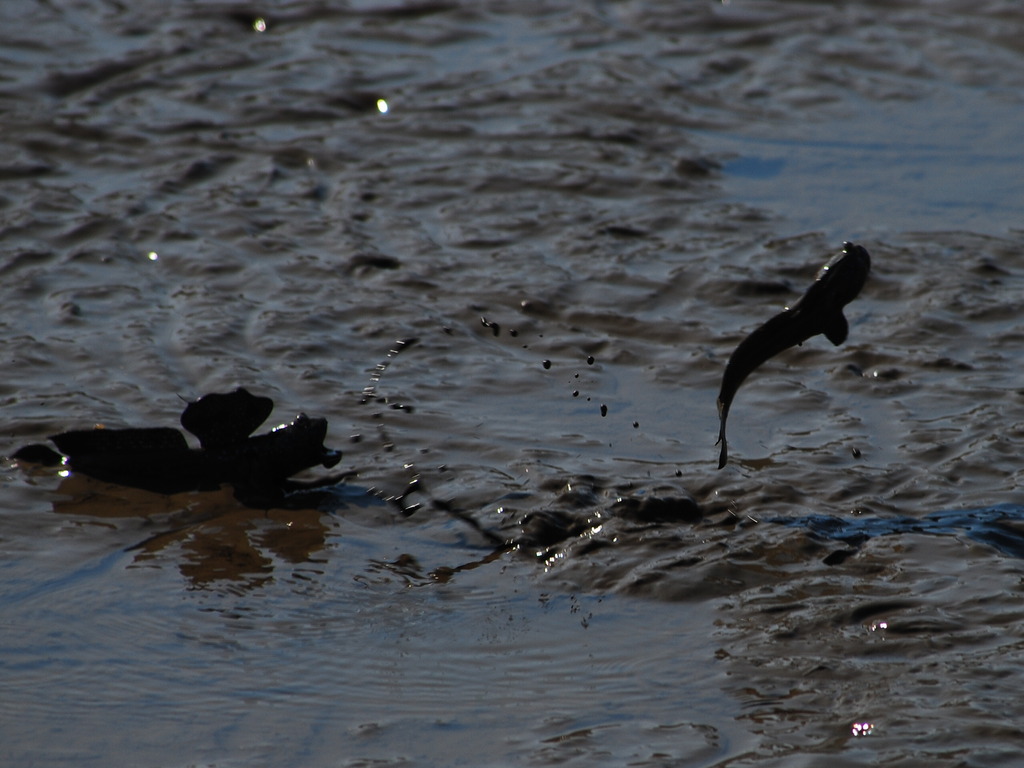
(819, 310)
(159, 458)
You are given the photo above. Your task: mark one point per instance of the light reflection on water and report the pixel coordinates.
(901, 166)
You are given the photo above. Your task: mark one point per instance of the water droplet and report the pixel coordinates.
(590, 360)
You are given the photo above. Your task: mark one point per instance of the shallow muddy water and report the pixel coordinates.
(506, 250)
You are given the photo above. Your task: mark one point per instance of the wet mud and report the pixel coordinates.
(506, 253)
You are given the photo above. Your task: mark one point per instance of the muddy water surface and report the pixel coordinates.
(506, 252)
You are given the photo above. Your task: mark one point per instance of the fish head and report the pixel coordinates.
(300, 445)
(844, 275)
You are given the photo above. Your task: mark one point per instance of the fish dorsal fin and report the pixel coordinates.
(224, 419)
(837, 329)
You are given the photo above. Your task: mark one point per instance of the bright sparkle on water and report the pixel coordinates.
(259, 24)
(862, 729)
(382, 106)
(152, 256)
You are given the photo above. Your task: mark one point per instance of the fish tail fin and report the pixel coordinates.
(723, 415)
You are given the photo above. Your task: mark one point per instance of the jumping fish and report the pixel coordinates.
(820, 310)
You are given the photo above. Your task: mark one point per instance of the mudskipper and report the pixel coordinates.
(820, 310)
